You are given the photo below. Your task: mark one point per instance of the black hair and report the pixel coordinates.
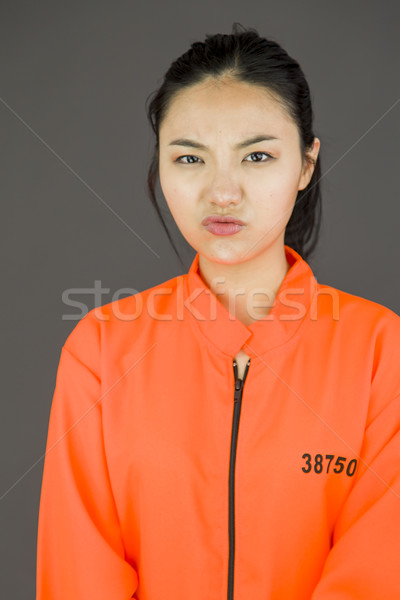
(247, 57)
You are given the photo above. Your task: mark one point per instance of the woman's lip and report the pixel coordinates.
(221, 219)
(227, 228)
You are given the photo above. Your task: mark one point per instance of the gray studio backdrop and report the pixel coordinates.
(74, 151)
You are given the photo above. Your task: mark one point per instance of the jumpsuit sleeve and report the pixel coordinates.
(80, 552)
(364, 560)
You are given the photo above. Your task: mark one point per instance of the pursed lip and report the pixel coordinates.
(221, 219)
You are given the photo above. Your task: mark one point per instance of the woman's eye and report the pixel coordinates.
(258, 154)
(186, 156)
(194, 159)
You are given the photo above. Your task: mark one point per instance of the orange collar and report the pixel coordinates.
(213, 321)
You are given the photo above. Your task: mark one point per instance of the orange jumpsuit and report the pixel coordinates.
(167, 477)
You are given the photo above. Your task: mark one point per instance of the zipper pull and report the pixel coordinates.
(238, 389)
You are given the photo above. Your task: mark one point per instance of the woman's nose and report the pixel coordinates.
(224, 190)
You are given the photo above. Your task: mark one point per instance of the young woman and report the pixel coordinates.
(232, 432)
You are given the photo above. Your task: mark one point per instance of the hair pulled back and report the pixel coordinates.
(247, 57)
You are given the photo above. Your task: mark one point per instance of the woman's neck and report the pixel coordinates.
(247, 289)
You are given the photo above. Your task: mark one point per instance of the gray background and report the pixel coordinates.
(74, 155)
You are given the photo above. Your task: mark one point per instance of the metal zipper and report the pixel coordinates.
(237, 406)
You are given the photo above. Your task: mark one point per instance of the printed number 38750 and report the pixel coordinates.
(319, 466)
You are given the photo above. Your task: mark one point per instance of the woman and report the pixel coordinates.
(232, 432)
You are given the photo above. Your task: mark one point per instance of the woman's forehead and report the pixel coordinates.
(198, 117)
(235, 95)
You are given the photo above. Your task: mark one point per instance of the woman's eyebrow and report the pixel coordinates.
(248, 142)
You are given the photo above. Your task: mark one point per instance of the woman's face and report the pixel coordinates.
(256, 183)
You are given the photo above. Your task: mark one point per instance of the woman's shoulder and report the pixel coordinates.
(125, 318)
(366, 326)
(350, 306)
(366, 332)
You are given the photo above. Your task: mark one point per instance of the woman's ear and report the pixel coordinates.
(309, 164)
